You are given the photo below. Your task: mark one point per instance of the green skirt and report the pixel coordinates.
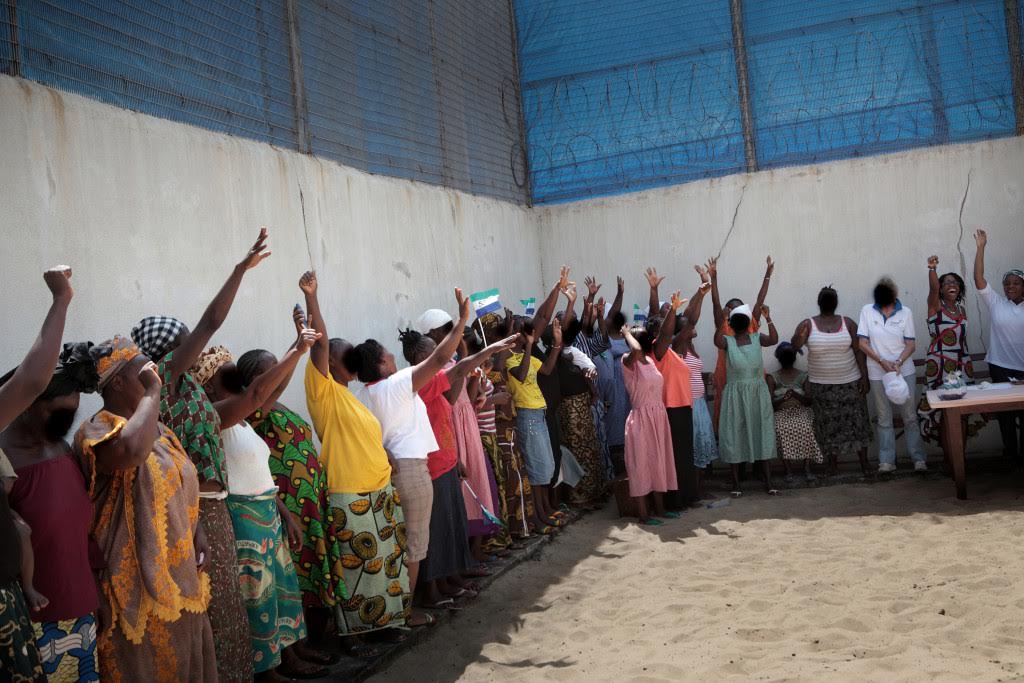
(370, 529)
(270, 587)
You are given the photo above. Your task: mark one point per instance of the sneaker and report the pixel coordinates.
(886, 468)
(920, 466)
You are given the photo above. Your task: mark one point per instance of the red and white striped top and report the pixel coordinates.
(696, 364)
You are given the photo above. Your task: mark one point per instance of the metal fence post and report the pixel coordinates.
(299, 103)
(743, 84)
(1013, 40)
(10, 7)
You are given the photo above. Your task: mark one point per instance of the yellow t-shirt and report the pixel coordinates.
(352, 448)
(525, 394)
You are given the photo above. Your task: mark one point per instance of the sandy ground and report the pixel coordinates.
(893, 581)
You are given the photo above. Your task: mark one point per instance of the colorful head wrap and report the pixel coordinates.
(155, 334)
(210, 361)
(1013, 272)
(75, 372)
(111, 356)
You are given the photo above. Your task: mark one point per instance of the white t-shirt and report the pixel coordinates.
(247, 458)
(402, 415)
(1006, 331)
(580, 359)
(888, 336)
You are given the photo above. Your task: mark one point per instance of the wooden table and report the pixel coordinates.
(995, 398)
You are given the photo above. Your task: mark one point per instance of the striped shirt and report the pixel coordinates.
(830, 356)
(696, 364)
(592, 344)
(486, 417)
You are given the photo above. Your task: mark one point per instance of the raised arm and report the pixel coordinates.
(320, 354)
(716, 302)
(423, 372)
(668, 327)
(458, 373)
(236, 408)
(188, 352)
(981, 239)
(933, 286)
(570, 304)
(300, 320)
(602, 322)
(772, 338)
(34, 373)
(134, 444)
(620, 286)
(762, 294)
(521, 371)
(653, 300)
(556, 349)
(547, 309)
(692, 313)
(636, 354)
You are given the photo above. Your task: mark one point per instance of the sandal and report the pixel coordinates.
(445, 603)
(428, 621)
(464, 594)
(736, 494)
(652, 521)
(774, 492)
(547, 530)
(670, 515)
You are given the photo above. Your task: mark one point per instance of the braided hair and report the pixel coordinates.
(413, 344)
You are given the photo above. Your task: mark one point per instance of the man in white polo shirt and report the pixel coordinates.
(886, 332)
(1006, 340)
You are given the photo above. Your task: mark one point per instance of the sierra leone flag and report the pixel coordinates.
(485, 302)
(529, 305)
(638, 315)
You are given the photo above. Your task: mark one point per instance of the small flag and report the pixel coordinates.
(530, 305)
(638, 314)
(485, 302)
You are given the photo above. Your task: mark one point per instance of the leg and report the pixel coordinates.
(641, 508)
(865, 467)
(659, 503)
(883, 413)
(734, 469)
(766, 468)
(908, 411)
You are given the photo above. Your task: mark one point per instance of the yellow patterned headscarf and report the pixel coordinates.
(210, 361)
(122, 352)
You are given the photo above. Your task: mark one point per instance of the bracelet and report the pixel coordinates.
(931, 268)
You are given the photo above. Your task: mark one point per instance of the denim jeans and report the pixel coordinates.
(883, 416)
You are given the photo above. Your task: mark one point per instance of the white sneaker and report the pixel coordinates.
(920, 466)
(886, 468)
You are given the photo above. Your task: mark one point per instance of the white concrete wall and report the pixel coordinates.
(846, 223)
(152, 215)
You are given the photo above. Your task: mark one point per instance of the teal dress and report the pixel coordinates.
(746, 428)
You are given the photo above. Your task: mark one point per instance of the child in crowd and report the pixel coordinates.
(794, 417)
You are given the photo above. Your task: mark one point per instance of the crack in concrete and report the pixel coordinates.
(732, 226)
(305, 228)
(963, 258)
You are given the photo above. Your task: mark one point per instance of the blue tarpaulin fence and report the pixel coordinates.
(620, 96)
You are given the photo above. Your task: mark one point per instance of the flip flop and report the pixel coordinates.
(735, 494)
(428, 621)
(653, 521)
(446, 603)
(670, 515)
(774, 492)
(464, 594)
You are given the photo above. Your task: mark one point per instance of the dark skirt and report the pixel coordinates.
(680, 422)
(577, 424)
(841, 423)
(448, 552)
(19, 657)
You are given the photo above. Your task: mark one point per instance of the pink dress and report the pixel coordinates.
(471, 453)
(649, 460)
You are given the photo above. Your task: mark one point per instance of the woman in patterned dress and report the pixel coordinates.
(302, 487)
(794, 417)
(947, 353)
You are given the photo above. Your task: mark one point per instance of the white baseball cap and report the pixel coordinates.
(896, 389)
(432, 319)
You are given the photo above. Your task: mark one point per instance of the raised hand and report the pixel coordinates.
(592, 285)
(149, 376)
(58, 280)
(570, 291)
(257, 252)
(308, 283)
(563, 278)
(299, 318)
(503, 345)
(307, 337)
(556, 332)
(677, 301)
(652, 277)
(599, 306)
(464, 306)
(620, 284)
(771, 267)
(712, 267)
(933, 262)
(766, 312)
(981, 238)
(703, 273)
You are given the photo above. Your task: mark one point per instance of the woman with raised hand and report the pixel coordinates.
(154, 589)
(50, 496)
(269, 584)
(837, 381)
(1005, 356)
(650, 463)
(302, 488)
(948, 357)
(746, 429)
(609, 372)
(30, 380)
(187, 411)
(368, 518)
(448, 559)
(722, 315)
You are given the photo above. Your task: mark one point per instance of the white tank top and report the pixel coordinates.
(830, 357)
(247, 457)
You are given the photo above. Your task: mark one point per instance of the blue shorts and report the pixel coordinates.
(535, 443)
